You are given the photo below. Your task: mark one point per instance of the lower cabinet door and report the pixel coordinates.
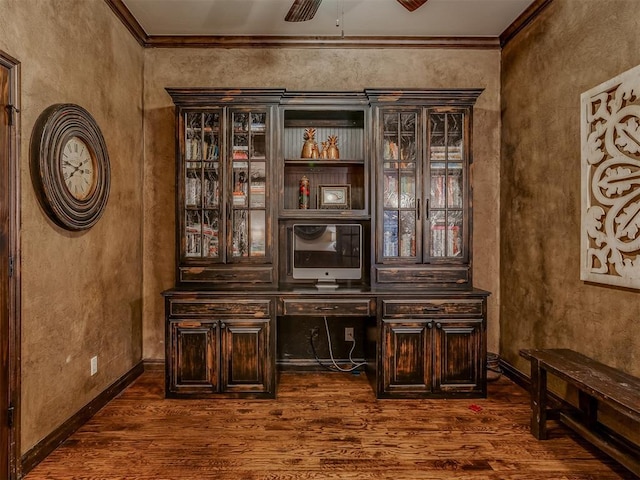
(459, 354)
(193, 357)
(407, 357)
(246, 365)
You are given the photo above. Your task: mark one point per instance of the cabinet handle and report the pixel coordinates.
(430, 325)
(438, 325)
(431, 309)
(222, 325)
(327, 308)
(219, 309)
(418, 208)
(426, 208)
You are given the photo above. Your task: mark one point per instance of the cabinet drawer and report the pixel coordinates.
(328, 307)
(223, 276)
(432, 308)
(221, 308)
(452, 276)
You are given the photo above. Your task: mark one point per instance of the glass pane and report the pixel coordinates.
(454, 188)
(408, 138)
(437, 189)
(438, 149)
(390, 149)
(210, 234)
(454, 132)
(438, 234)
(240, 234)
(408, 123)
(211, 185)
(257, 188)
(210, 147)
(258, 139)
(408, 234)
(390, 236)
(193, 234)
(193, 188)
(408, 151)
(407, 191)
(240, 147)
(390, 121)
(193, 136)
(258, 229)
(240, 122)
(258, 146)
(390, 192)
(240, 180)
(258, 122)
(454, 234)
(390, 143)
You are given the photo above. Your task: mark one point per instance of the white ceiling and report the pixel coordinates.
(455, 18)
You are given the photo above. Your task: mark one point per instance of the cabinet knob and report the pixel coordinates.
(222, 325)
(430, 325)
(438, 325)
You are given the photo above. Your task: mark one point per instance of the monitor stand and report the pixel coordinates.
(326, 285)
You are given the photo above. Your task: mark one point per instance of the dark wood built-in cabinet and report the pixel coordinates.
(219, 346)
(433, 346)
(399, 179)
(423, 222)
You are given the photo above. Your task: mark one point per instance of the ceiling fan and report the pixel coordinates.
(303, 10)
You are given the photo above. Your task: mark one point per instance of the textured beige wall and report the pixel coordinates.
(574, 46)
(81, 292)
(311, 69)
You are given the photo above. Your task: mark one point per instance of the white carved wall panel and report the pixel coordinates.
(610, 139)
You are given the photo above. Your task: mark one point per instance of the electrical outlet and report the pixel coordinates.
(348, 334)
(94, 365)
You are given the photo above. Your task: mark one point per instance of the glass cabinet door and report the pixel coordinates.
(249, 168)
(400, 189)
(202, 189)
(446, 168)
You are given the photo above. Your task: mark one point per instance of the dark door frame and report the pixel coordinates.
(12, 114)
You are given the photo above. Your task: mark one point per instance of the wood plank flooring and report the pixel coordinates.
(321, 426)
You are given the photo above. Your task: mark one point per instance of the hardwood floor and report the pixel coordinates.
(321, 426)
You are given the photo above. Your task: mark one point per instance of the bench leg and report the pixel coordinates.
(589, 408)
(538, 400)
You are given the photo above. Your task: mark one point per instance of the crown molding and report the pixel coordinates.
(244, 41)
(280, 41)
(129, 21)
(525, 18)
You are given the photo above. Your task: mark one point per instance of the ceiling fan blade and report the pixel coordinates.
(412, 5)
(302, 10)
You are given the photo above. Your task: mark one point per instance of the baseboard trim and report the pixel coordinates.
(52, 441)
(515, 375)
(153, 364)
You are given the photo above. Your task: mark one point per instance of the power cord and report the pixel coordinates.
(335, 366)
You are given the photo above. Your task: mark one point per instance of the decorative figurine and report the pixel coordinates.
(303, 195)
(332, 149)
(324, 154)
(309, 142)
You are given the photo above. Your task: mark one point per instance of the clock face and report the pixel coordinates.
(78, 168)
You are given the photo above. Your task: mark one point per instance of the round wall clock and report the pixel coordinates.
(70, 166)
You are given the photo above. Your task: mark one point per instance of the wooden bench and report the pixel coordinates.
(596, 384)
